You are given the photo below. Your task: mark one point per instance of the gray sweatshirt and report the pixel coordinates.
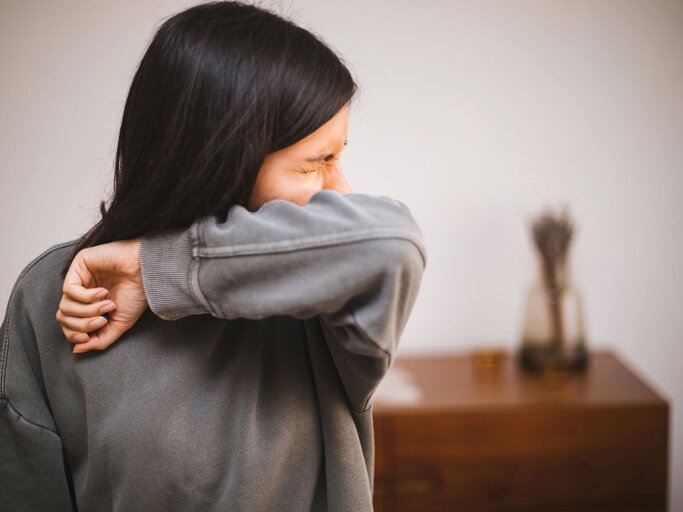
(246, 386)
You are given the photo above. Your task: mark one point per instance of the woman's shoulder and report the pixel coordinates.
(42, 272)
(47, 261)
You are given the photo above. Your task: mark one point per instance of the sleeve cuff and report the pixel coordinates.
(166, 266)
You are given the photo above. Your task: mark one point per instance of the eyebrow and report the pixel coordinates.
(323, 156)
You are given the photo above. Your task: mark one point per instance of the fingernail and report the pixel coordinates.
(107, 307)
(97, 323)
(82, 337)
(101, 294)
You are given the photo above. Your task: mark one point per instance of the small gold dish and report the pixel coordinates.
(488, 358)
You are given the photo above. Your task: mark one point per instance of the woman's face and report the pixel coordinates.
(298, 171)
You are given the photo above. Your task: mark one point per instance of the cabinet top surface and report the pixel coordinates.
(457, 382)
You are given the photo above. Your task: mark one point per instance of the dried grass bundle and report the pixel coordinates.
(552, 235)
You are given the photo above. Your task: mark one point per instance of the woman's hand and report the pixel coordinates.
(114, 268)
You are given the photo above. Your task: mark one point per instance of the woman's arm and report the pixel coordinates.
(336, 254)
(355, 258)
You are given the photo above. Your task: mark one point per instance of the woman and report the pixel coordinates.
(254, 302)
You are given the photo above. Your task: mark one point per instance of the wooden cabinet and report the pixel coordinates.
(496, 439)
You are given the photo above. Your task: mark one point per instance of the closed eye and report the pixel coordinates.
(322, 160)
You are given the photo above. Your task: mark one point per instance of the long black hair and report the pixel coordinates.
(221, 85)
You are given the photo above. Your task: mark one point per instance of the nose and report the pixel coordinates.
(337, 181)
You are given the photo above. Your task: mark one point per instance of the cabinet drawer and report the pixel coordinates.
(527, 460)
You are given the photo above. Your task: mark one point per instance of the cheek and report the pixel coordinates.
(291, 186)
(300, 191)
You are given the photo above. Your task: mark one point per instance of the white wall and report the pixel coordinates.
(475, 114)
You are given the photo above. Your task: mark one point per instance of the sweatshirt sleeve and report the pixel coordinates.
(33, 473)
(354, 260)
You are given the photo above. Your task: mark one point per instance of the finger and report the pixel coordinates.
(99, 340)
(71, 307)
(82, 294)
(80, 282)
(83, 325)
(75, 336)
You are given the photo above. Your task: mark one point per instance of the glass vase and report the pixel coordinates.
(553, 337)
